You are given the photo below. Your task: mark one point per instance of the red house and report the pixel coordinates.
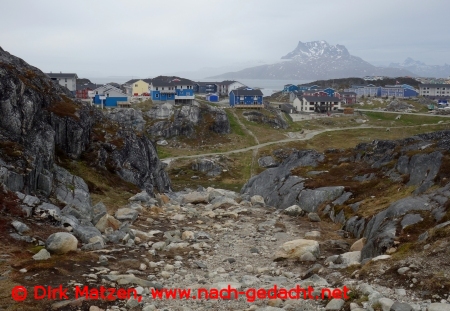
(348, 97)
(83, 90)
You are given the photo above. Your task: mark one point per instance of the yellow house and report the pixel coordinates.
(137, 87)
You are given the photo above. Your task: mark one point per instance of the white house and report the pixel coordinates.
(317, 103)
(69, 80)
(438, 90)
(225, 87)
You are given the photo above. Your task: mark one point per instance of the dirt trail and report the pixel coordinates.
(305, 136)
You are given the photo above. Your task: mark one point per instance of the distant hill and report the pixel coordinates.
(423, 70)
(340, 84)
(316, 60)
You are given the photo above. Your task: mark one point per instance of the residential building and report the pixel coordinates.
(347, 97)
(302, 88)
(68, 80)
(172, 89)
(246, 96)
(435, 90)
(317, 104)
(108, 96)
(137, 87)
(316, 92)
(225, 87)
(205, 87)
(290, 88)
(369, 90)
(82, 91)
(293, 95)
(288, 108)
(329, 91)
(399, 91)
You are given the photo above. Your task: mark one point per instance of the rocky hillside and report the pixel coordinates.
(423, 70)
(316, 60)
(38, 119)
(168, 120)
(374, 191)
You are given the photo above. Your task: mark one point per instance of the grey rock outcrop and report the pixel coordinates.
(38, 117)
(208, 166)
(127, 117)
(277, 186)
(267, 162)
(274, 121)
(184, 120)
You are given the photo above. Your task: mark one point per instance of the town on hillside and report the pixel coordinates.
(323, 97)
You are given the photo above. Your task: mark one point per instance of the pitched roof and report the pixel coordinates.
(62, 75)
(228, 82)
(131, 81)
(136, 80)
(206, 83)
(84, 86)
(169, 81)
(109, 87)
(321, 99)
(289, 106)
(247, 92)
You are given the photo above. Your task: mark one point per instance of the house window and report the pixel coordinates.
(135, 85)
(96, 92)
(107, 94)
(65, 80)
(66, 85)
(156, 88)
(156, 95)
(162, 88)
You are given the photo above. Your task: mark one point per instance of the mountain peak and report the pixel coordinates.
(315, 49)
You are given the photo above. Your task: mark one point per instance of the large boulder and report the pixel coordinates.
(196, 197)
(297, 249)
(107, 221)
(126, 214)
(61, 243)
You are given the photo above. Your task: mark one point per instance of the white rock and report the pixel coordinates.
(296, 248)
(43, 254)
(61, 243)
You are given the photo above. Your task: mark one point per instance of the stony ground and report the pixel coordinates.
(213, 238)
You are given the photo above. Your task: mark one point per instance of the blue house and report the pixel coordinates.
(108, 96)
(290, 88)
(246, 96)
(205, 87)
(302, 88)
(214, 98)
(330, 92)
(172, 89)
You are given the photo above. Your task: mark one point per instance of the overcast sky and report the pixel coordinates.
(146, 38)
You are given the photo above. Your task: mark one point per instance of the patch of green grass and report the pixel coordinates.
(163, 152)
(405, 119)
(234, 125)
